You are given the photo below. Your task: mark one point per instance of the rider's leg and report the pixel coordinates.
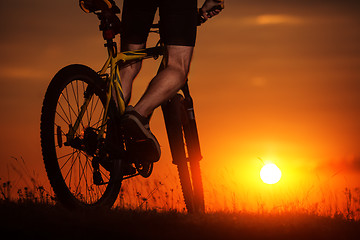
(168, 81)
(129, 72)
(164, 85)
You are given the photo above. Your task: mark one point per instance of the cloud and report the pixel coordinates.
(259, 82)
(275, 19)
(272, 19)
(21, 73)
(355, 163)
(261, 20)
(347, 163)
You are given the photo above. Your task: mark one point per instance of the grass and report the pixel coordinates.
(22, 185)
(31, 212)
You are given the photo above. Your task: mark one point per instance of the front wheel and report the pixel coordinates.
(79, 167)
(185, 151)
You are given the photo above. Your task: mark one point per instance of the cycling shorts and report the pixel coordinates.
(178, 21)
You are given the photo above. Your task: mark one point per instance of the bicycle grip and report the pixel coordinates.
(201, 18)
(91, 6)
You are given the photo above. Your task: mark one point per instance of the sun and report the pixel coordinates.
(270, 173)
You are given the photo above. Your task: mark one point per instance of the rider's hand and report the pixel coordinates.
(211, 8)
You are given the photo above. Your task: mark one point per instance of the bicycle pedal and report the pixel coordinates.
(128, 169)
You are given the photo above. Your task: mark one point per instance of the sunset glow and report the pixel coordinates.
(276, 79)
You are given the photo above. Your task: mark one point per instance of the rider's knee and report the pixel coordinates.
(179, 58)
(178, 70)
(136, 67)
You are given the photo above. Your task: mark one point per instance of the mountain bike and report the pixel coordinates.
(84, 148)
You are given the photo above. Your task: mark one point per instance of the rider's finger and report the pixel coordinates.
(212, 13)
(204, 14)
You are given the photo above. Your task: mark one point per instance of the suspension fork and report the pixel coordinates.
(187, 123)
(190, 127)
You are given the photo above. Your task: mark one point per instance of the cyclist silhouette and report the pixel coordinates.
(91, 140)
(178, 26)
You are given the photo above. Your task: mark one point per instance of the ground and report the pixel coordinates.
(39, 221)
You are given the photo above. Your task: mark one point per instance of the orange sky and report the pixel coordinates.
(278, 80)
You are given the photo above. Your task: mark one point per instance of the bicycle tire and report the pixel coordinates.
(179, 134)
(62, 168)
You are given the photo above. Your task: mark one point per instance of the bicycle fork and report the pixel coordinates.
(185, 148)
(190, 129)
(178, 125)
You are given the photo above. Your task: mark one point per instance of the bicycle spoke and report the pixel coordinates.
(87, 120)
(67, 123)
(81, 173)
(87, 111)
(70, 157)
(78, 174)
(62, 118)
(71, 109)
(76, 96)
(64, 156)
(100, 190)
(96, 124)
(71, 167)
(67, 95)
(66, 116)
(91, 109)
(90, 187)
(105, 175)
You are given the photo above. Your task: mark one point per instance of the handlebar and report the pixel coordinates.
(93, 6)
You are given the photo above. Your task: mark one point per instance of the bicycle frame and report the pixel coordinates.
(114, 90)
(113, 81)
